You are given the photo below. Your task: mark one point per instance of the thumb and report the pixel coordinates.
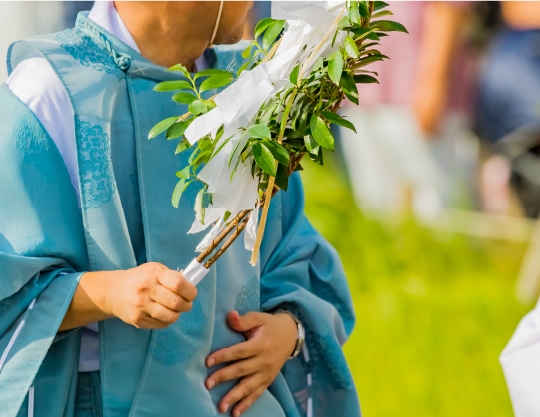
(244, 323)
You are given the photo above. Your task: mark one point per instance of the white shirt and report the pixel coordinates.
(36, 84)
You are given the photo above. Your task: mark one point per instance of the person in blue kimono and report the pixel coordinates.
(95, 320)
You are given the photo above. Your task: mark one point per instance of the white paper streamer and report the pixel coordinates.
(211, 214)
(201, 247)
(202, 126)
(250, 233)
(237, 105)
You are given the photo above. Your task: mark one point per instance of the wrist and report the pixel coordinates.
(97, 286)
(296, 331)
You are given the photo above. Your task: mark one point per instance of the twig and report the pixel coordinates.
(238, 218)
(237, 231)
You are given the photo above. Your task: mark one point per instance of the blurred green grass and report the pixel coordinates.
(434, 310)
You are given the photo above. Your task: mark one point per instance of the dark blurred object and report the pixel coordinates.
(522, 149)
(509, 88)
(72, 9)
(508, 101)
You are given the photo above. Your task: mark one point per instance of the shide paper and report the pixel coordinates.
(252, 136)
(236, 106)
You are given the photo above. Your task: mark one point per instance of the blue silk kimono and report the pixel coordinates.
(47, 242)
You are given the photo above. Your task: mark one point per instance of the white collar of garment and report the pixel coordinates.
(104, 14)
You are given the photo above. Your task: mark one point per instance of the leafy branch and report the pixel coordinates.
(289, 126)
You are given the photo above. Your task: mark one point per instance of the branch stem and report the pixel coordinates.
(239, 217)
(237, 231)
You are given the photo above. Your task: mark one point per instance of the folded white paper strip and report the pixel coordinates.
(195, 272)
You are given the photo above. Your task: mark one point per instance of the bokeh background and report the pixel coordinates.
(433, 205)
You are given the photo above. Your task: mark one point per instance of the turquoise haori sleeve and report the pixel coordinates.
(42, 256)
(303, 273)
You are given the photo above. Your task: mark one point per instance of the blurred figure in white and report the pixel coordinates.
(392, 164)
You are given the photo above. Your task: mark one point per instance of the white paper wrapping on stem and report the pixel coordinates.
(195, 272)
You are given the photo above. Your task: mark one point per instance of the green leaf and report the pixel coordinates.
(203, 157)
(379, 5)
(350, 47)
(221, 146)
(282, 179)
(178, 190)
(311, 145)
(388, 26)
(369, 59)
(199, 205)
(349, 87)
(173, 85)
(205, 143)
(370, 52)
(319, 62)
(372, 36)
(293, 78)
(184, 173)
(210, 104)
(344, 21)
(338, 120)
(262, 25)
(364, 9)
(184, 98)
(264, 159)
(247, 51)
(211, 72)
(259, 131)
(318, 157)
(192, 156)
(216, 81)
(272, 32)
(181, 68)
(279, 152)
(176, 130)
(161, 127)
(321, 133)
(361, 32)
(335, 36)
(182, 146)
(242, 68)
(335, 66)
(197, 107)
(381, 14)
(354, 16)
(364, 79)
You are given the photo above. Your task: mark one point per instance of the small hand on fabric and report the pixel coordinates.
(270, 340)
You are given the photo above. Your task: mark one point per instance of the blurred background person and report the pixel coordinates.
(508, 108)
(414, 148)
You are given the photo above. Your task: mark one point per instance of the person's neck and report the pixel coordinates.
(166, 40)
